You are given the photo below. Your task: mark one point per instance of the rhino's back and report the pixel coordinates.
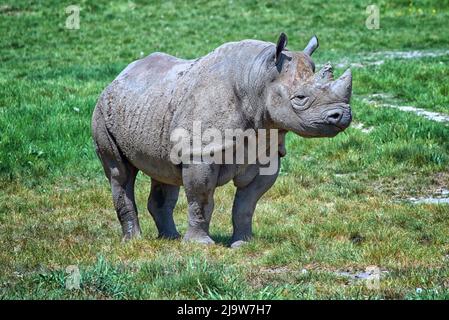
(154, 70)
(138, 110)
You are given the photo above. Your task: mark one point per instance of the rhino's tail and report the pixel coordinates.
(105, 145)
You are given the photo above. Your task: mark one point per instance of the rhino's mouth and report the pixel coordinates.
(322, 130)
(330, 127)
(339, 128)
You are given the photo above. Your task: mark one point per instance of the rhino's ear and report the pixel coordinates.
(281, 44)
(312, 46)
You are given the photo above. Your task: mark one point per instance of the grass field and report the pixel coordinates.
(340, 205)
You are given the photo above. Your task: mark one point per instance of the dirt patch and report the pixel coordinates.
(441, 196)
(371, 276)
(276, 270)
(434, 116)
(435, 191)
(8, 10)
(360, 126)
(379, 58)
(388, 101)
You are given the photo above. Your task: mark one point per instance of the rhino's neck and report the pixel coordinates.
(250, 77)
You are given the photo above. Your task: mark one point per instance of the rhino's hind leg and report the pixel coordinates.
(122, 186)
(161, 203)
(245, 202)
(121, 175)
(200, 181)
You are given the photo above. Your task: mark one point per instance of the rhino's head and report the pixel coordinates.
(300, 100)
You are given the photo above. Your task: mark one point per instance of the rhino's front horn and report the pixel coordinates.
(343, 85)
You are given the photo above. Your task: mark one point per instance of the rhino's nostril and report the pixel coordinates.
(335, 116)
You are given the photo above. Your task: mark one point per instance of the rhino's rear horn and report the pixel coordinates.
(312, 46)
(326, 74)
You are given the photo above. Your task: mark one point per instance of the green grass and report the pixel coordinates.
(338, 204)
(421, 82)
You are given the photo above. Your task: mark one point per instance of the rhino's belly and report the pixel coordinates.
(158, 169)
(242, 174)
(169, 173)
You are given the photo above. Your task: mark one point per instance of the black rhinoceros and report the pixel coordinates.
(243, 85)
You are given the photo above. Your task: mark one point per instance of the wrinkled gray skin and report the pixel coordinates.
(246, 84)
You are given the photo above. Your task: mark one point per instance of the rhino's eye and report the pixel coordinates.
(300, 102)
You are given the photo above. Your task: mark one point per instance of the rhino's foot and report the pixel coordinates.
(131, 230)
(169, 235)
(238, 244)
(240, 238)
(198, 237)
(131, 236)
(200, 240)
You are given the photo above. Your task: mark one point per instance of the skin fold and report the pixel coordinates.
(243, 85)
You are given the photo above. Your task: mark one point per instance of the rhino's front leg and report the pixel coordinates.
(200, 181)
(245, 202)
